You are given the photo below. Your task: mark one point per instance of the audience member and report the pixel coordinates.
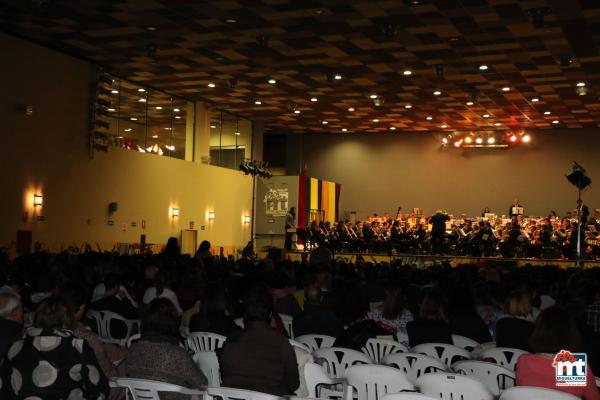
(464, 319)
(392, 315)
(314, 319)
(515, 328)
(161, 289)
(432, 324)
(213, 315)
(11, 320)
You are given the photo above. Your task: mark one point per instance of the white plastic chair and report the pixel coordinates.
(415, 365)
(316, 379)
(446, 386)
(225, 393)
(103, 321)
(239, 322)
(496, 377)
(535, 393)
(133, 338)
(144, 389)
(378, 349)
(300, 345)
(315, 342)
(407, 396)
(448, 353)
(464, 342)
(504, 356)
(372, 382)
(338, 359)
(208, 363)
(288, 324)
(204, 341)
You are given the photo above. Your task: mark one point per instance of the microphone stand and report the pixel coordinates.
(579, 228)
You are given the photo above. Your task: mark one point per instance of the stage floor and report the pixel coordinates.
(423, 261)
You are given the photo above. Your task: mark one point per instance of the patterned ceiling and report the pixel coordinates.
(181, 46)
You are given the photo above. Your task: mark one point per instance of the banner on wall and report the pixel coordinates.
(276, 202)
(317, 197)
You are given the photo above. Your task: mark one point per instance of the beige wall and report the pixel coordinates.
(378, 173)
(47, 153)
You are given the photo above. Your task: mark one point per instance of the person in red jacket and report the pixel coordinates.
(553, 332)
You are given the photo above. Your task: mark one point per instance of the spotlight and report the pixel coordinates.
(344, 130)
(486, 115)
(141, 90)
(547, 112)
(407, 72)
(272, 81)
(479, 140)
(429, 118)
(337, 77)
(469, 103)
(497, 124)
(437, 93)
(483, 67)
(457, 143)
(375, 120)
(491, 140)
(526, 139)
(580, 84)
(373, 96)
(555, 121)
(444, 126)
(408, 106)
(296, 111)
(506, 89)
(258, 102)
(324, 122)
(535, 100)
(440, 69)
(468, 140)
(392, 128)
(211, 85)
(350, 109)
(513, 138)
(314, 99)
(444, 140)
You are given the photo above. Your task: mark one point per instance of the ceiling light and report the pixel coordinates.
(506, 89)
(111, 109)
(176, 110)
(513, 138)
(154, 136)
(392, 128)
(324, 122)
(177, 117)
(526, 139)
(483, 67)
(535, 100)
(133, 119)
(314, 99)
(479, 140)
(407, 72)
(150, 28)
(437, 93)
(114, 91)
(258, 102)
(272, 81)
(158, 107)
(337, 77)
(486, 115)
(211, 85)
(213, 126)
(468, 139)
(457, 143)
(231, 20)
(168, 129)
(373, 96)
(350, 109)
(141, 90)
(344, 130)
(445, 140)
(408, 106)
(555, 121)
(547, 113)
(497, 124)
(429, 118)
(580, 84)
(237, 133)
(491, 140)
(127, 129)
(469, 103)
(444, 126)
(142, 100)
(172, 148)
(296, 111)
(119, 137)
(375, 120)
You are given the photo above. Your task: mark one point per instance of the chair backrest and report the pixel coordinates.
(225, 393)
(300, 345)
(448, 353)
(315, 377)
(204, 341)
(504, 356)
(378, 349)
(407, 396)
(239, 322)
(208, 363)
(496, 377)
(133, 338)
(144, 389)
(315, 342)
(446, 386)
(288, 324)
(414, 364)
(338, 359)
(464, 342)
(372, 382)
(103, 321)
(535, 393)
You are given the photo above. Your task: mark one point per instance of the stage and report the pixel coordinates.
(424, 261)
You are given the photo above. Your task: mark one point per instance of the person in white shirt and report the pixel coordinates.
(161, 289)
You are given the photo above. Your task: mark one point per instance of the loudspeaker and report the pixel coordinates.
(112, 207)
(579, 179)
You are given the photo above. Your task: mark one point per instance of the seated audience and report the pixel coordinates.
(50, 362)
(162, 289)
(553, 332)
(258, 358)
(158, 356)
(314, 319)
(464, 319)
(11, 320)
(284, 301)
(432, 324)
(516, 327)
(213, 315)
(392, 315)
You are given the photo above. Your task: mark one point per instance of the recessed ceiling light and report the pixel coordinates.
(211, 85)
(506, 89)
(176, 110)
(375, 120)
(314, 99)
(513, 138)
(468, 139)
(526, 139)
(114, 91)
(483, 67)
(555, 121)
(296, 111)
(237, 133)
(272, 81)
(580, 84)
(486, 115)
(445, 140)
(150, 28)
(133, 119)
(231, 20)
(547, 112)
(324, 122)
(142, 100)
(392, 128)
(408, 106)
(469, 103)
(213, 127)
(497, 124)
(491, 140)
(119, 137)
(437, 93)
(429, 118)
(337, 77)
(158, 107)
(141, 90)
(154, 136)
(111, 109)
(127, 129)
(177, 117)
(479, 140)
(168, 129)
(258, 102)
(444, 126)
(535, 100)
(373, 96)
(407, 72)
(344, 130)
(350, 109)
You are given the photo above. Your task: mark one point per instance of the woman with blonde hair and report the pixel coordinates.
(515, 328)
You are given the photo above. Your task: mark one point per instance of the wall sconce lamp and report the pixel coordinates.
(247, 219)
(211, 215)
(38, 200)
(175, 212)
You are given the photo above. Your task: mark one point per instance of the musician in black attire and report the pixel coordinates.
(438, 229)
